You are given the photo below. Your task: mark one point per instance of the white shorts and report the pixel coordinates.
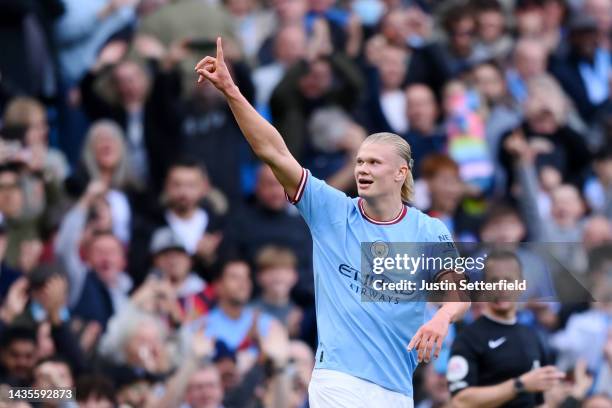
(335, 389)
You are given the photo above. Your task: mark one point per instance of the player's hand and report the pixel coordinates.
(542, 379)
(428, 339)
(215, 70)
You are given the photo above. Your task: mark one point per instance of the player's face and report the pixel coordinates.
(379, 171)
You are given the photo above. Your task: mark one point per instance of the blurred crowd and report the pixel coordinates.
(149, 260)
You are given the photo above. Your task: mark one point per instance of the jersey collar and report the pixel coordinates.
(395, 220)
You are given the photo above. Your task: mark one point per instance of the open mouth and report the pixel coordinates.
(364, 183)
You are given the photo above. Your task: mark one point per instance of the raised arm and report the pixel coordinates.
(264, 139)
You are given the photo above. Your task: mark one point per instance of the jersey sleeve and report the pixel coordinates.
(440, 246)
(319, 204)
(462, 369)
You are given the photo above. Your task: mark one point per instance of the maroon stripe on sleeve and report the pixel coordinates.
(300, 190)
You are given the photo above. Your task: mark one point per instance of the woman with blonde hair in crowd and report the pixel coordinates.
(104, 159)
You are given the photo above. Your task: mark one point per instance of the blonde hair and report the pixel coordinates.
(402, 148)
(20, 110)
(272, 256)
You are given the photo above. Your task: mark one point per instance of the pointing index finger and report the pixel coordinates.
(219, 49)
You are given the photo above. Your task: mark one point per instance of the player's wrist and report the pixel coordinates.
(445, 315)
(231, 92)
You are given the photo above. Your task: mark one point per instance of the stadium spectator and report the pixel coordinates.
(82, 30)
(172, 265)
(459, 50)
(600, 10)
(424, 134)
(189, 20)
(332, 150)
(592, 324)
(324, 78)
(446, 191)
(18, 356)
(95, 391)
(583, 72)
(289, 47)
(271, 221)
(560, 149)
(141, 105)
(26, 40)
(491, 29)
(26, 118)
(207, 127)
(8, 275)
(276, 275)
(502, 112)
(252, 25)
(233, 321)
(188, 210)
(98, 283)
(385, 107)
(529, 61)
(435, 387)
(204, 389)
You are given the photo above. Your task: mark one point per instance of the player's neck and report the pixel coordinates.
(383, 208)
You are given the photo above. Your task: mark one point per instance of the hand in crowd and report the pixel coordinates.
(89, 336)
(110, 54)
(320, 44)
(355, 36)
(523, 150)
(582, 380)
(542, 379)
(275, 344)
(95, 189)
(577, 388)
(150, 47)
(207, 246)
(54, 297)
(15, 301)
(30, 252)
(202, 346)
(157, 296)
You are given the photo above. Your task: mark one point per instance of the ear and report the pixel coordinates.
(402, 173)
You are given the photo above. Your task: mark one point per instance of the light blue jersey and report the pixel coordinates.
(364, 339)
